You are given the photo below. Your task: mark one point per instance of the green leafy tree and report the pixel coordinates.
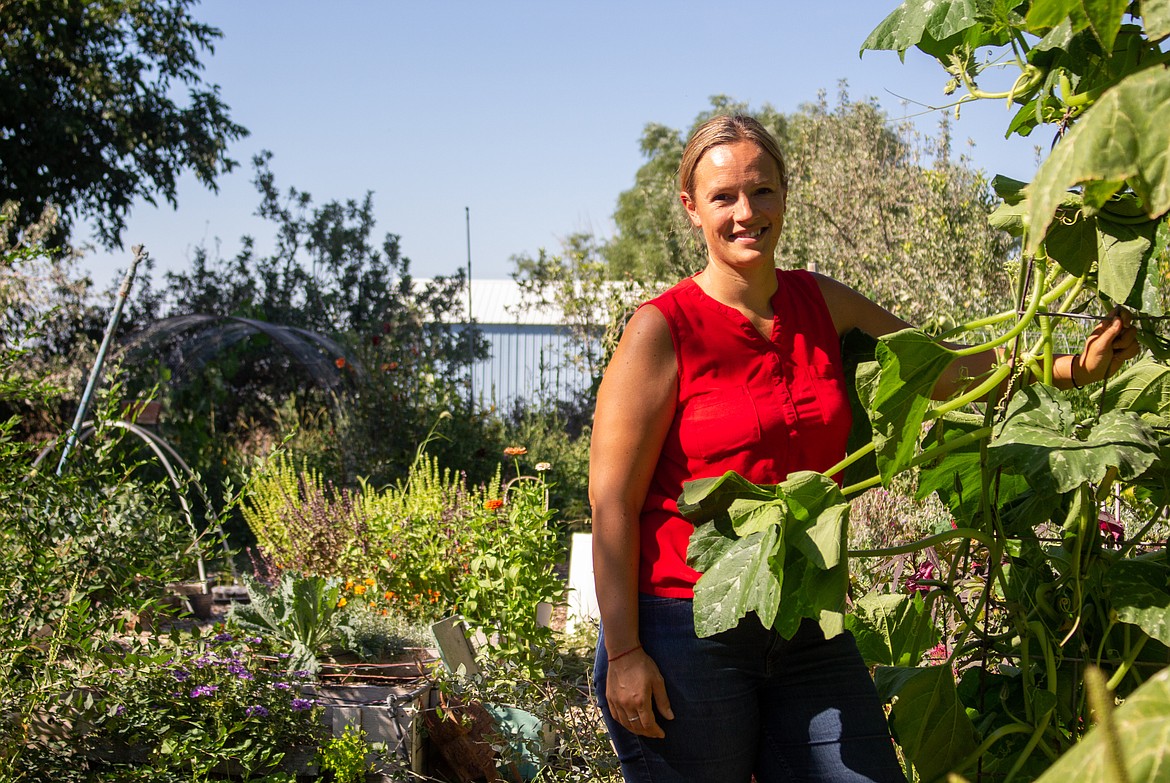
(403, 353)
(93, 113)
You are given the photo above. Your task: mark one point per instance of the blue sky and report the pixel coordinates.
(528, 113)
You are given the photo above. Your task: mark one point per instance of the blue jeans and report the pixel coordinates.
(749, 703)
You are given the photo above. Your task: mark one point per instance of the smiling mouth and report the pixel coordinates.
(750, 235)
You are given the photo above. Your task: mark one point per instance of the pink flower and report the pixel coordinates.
(1108, 524)
(924, 572)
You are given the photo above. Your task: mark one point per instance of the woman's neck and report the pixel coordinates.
(747, 290)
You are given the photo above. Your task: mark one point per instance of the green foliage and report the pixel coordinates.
(396, 355)
(872, 204)
(927, 720)
(891, 629)
(430, 546)
(190, 709)
(303, 523)
(102, 103)
(776, 551)
(301, 612)
(1135, 737)
(345, 756)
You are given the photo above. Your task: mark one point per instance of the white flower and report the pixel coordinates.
(541, 467)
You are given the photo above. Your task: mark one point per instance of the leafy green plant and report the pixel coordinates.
(194, 707)
(301, 611)
(345, 756)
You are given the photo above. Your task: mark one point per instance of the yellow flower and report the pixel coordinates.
(369, 581)
(341, 602)
(359, 589)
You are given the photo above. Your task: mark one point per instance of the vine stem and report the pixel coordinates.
(938, 538)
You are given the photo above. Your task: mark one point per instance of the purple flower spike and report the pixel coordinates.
(223, 637)
(181, 674)
(284, 686)
(256, 711)
(300, 705)
(203, 690)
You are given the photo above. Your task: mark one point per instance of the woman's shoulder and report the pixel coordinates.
(852, 310)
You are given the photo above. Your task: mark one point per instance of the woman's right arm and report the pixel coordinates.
(635, 406)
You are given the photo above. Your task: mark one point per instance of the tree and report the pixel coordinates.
(406, 350)
(877, 206)
(90, 115)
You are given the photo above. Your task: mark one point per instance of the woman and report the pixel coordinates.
(737, 368)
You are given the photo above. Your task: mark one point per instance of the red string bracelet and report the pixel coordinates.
(613, 658)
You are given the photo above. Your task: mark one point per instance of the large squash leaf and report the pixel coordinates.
(957, 478)
(1122, 138)
(1140, 593)
(911, 364)
(1142, 726)
(1128, 265)
(778, 551)
(936, 27)
(1103, 17)
(1143, 387)
(1156, 15)
(1041, 441)
(891, 629)
(742, 580)
(927, 718)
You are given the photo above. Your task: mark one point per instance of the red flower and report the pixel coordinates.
(376, 339)
(340, 362)
(386, 327)
(924, 572)
(493, 504)
(1108, 524)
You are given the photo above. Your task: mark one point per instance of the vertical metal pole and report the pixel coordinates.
(96, 372)
(470, 346)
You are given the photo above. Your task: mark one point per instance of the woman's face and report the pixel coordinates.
(738, 203)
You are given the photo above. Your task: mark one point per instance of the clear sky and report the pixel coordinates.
(527, 112)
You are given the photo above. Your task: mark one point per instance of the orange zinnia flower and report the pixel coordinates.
(493, 504)
(515, 451)
(340, 362)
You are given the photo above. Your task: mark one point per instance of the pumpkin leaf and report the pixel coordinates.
(927, 718)
(1121, 137)
(1127, 271)
(741, 580)
(1143, 387)
(891, 629)
(1139, 590)
(1142, 732)
(1041, 441)
(911, 363)
(936, 27)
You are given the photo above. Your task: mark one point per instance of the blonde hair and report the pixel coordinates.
(726, 129)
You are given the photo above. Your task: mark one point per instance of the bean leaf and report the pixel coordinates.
(927, 718)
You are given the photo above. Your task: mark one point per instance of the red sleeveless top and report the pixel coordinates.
(763, 408)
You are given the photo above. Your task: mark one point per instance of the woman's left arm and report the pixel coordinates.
(1112, 342)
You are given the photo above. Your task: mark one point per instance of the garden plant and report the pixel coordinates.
(1049, 599)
